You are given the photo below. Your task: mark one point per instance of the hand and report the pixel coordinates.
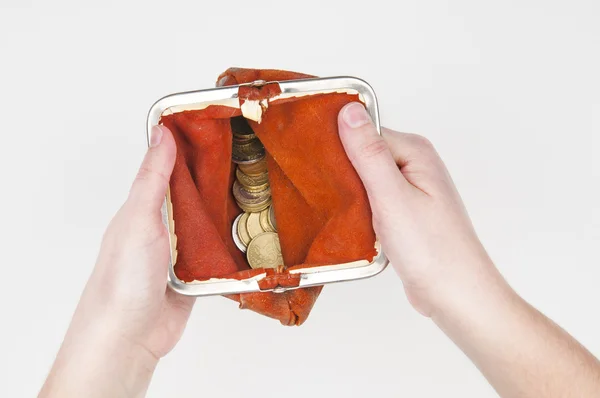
(127, 318)
(447, 275)
(417, 213)
(131, 273)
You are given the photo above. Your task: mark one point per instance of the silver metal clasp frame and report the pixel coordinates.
(257, 83)
(221, 95)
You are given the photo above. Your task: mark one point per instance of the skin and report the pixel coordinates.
(447, 274)
(118, 335)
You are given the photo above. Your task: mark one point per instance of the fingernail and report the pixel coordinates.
(355, 115)
(156, 135)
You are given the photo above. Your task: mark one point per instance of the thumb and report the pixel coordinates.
(370, 155)
(151, 183)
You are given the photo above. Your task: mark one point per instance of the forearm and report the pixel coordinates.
(520, 351)
(96, 361)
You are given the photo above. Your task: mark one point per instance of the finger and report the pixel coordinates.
(410, 148)
(418, 160)
(369, 154)
(151, 183)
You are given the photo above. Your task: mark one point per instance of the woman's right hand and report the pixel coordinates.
(428, 237)
(418, 214)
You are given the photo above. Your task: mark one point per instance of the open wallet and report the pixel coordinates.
(263, 196)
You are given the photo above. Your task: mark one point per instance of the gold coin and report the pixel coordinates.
(242, 232)
(248, 198)
(255, 209)
(264, 220)
(251, 181)
(253, 225)
(250, 152)
(264, 251)
(236, 237)
(257, 189)
(254, 169)
(272, 218)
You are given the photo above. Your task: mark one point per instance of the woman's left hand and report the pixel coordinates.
(127, 318)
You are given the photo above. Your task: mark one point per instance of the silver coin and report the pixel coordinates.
(272, 218)
(236, 239)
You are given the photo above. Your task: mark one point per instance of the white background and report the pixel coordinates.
(509, 92)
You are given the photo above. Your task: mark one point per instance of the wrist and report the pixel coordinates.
(475, 292)
(96, 360)
(441, 287)
(467, 281)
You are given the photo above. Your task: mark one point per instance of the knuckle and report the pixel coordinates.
(421, 142)
(147, 174)
(374, 148)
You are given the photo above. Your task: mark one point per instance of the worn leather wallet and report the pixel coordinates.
(321, 208)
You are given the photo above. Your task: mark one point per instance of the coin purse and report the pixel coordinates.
(323, 218)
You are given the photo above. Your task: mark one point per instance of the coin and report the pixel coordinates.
(247, 198)
(254, 169)
(251, 181)
(236, 237)
(253, 225)
(250, 152)
(264, 251)
(256, 189)
(264, 220)
(255, 209)
(272, 218)
(243, 136)
(242, 232)
(242, 139)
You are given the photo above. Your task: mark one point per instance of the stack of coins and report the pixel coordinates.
(251, 188)
(254, 231)
(249, 226)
